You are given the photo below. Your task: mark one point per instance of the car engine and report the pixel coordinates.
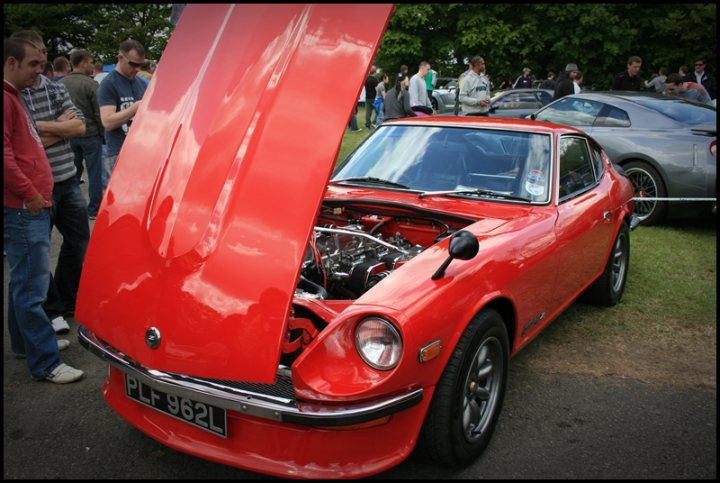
(344, 260)
(343, 263)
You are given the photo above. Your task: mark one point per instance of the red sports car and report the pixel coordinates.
(261, 310)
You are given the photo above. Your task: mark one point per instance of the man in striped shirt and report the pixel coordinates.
(57, 119)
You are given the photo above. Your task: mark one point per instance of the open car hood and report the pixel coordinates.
(214, 195)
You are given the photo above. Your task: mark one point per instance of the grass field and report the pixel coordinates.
(352, 139)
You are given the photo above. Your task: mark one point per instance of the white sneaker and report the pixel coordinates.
(64, 374)
(60, 325)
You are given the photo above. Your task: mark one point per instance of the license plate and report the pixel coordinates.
(205, 416)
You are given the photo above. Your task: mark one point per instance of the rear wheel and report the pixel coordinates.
(648, 184)
(468, 398)
(608, 289)
(434, 103)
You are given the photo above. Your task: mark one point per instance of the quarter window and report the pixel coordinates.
(612, 117)
(597, 160)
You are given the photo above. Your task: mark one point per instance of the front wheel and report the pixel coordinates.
(468, 398)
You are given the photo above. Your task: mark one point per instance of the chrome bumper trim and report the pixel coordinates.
(249, 402)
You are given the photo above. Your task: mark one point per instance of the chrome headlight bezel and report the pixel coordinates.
(378, 342)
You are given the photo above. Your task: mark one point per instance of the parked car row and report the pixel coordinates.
(666, 145)
(515, 103)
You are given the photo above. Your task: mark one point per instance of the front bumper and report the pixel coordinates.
(276, 402)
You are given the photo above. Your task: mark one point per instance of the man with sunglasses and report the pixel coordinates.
(119, 97)
(702, 77)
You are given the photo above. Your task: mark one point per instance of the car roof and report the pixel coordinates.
(488, 123)
(631, 96)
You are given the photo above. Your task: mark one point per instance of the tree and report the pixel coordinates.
(543, 36)
(98, 28)
(598, 37)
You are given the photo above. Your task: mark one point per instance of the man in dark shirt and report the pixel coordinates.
(370, 94)
(702, 77)
(629, 80)
(119, 97)
(565, 85)
(83, 91)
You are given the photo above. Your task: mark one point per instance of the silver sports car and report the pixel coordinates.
(666, 145)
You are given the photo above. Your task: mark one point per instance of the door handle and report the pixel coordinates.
(607, 215)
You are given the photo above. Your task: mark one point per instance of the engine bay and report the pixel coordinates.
(354, 248)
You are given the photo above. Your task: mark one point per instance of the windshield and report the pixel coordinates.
(431, 158)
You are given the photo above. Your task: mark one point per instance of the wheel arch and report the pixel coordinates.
(647, 160)
(506, 309)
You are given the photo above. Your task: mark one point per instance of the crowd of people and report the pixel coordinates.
(57, 116)
(474, 99)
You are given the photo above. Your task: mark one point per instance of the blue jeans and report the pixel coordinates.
(70, 217)
(369, 109)
(379, 114)
(27, 243)
(110, 160)
(353, 120)
(90, 149)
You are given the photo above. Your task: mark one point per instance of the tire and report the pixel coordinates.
(607, 290)
(647, 183)
(434, 103)
(469, 395)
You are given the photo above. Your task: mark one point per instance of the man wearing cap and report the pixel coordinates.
(566, 85)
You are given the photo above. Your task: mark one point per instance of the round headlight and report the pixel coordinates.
(378, 342)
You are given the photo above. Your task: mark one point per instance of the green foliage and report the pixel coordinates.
(598, 37)
(542, 36)
(98, 28)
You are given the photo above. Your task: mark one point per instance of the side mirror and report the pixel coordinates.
(463, 246)
(532, 116)
(493, 109)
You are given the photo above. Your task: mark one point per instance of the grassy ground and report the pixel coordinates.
(671, 287)
(352, 139)
(665, 326)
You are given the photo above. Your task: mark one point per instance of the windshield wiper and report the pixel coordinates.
(371, 180)
(480, 192)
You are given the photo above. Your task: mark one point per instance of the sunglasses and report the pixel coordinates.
(132, 64)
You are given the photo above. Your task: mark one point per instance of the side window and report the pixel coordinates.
(545, 97)
(577, 173)
(571, 111)
(612, 117)
(510, 101)
(528, 101)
